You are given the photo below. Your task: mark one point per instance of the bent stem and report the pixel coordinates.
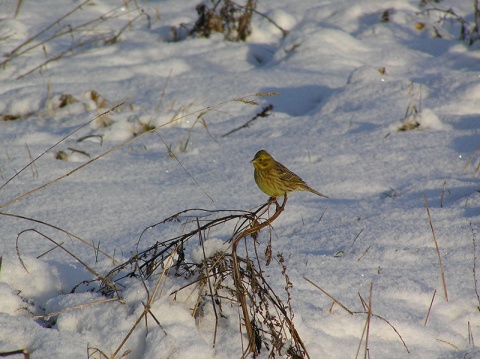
(237, 278)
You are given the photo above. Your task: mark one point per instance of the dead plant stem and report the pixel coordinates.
(442, 273)
(237, 278)
(430, 308)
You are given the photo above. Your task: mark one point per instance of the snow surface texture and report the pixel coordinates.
(349, 74)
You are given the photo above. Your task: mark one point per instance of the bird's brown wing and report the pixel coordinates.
(294, 182)
(288, 176)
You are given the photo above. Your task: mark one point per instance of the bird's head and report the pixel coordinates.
(263, 160)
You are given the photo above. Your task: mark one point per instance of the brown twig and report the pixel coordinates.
(443, 193)
(209, 284)
(442, 273)
(446, 342)
(475, 282)
(50, 250)
(264, 113)
(369, 317)
(171, 154)
(471, 341)
(26, 354)
(470, 159)
(237, 278)
(329, 296)
(394, 329)
(430, 308)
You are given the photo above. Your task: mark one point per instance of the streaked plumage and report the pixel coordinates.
(275, 179)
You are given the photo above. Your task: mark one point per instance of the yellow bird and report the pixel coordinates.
(275, 179)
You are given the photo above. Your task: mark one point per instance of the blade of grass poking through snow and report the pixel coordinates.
(187, 136)
(430, 308)
(365, 311)
(470, 159)
(204, 124)
(475, 282)
(366, 327)
(328, 295)
(369, 318)
(17, 9)
(34, 168)
(170, 153)
(443, 193)
(471, 341)
(164, 91)
(442, 273)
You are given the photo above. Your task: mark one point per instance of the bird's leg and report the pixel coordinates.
(273, 200)
(284, 201)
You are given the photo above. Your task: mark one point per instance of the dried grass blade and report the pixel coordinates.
(442, 273)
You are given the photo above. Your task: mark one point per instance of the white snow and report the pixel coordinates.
(207, 250)
(346, 82)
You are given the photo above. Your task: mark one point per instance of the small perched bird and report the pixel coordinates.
(275, 179)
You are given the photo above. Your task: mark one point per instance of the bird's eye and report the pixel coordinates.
(260, 160)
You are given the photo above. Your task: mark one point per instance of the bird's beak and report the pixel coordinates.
(252, 161)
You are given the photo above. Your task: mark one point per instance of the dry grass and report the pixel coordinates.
(471, 160)
(413, 112)
(262, 114)
(225, 16)
(228, 17)
(442, 272)
(475, 281)
(96, 31)
(367, 309)
(226, 279)
(430, 308)
(469, 32)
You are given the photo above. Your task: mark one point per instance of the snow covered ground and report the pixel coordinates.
(347, 74)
